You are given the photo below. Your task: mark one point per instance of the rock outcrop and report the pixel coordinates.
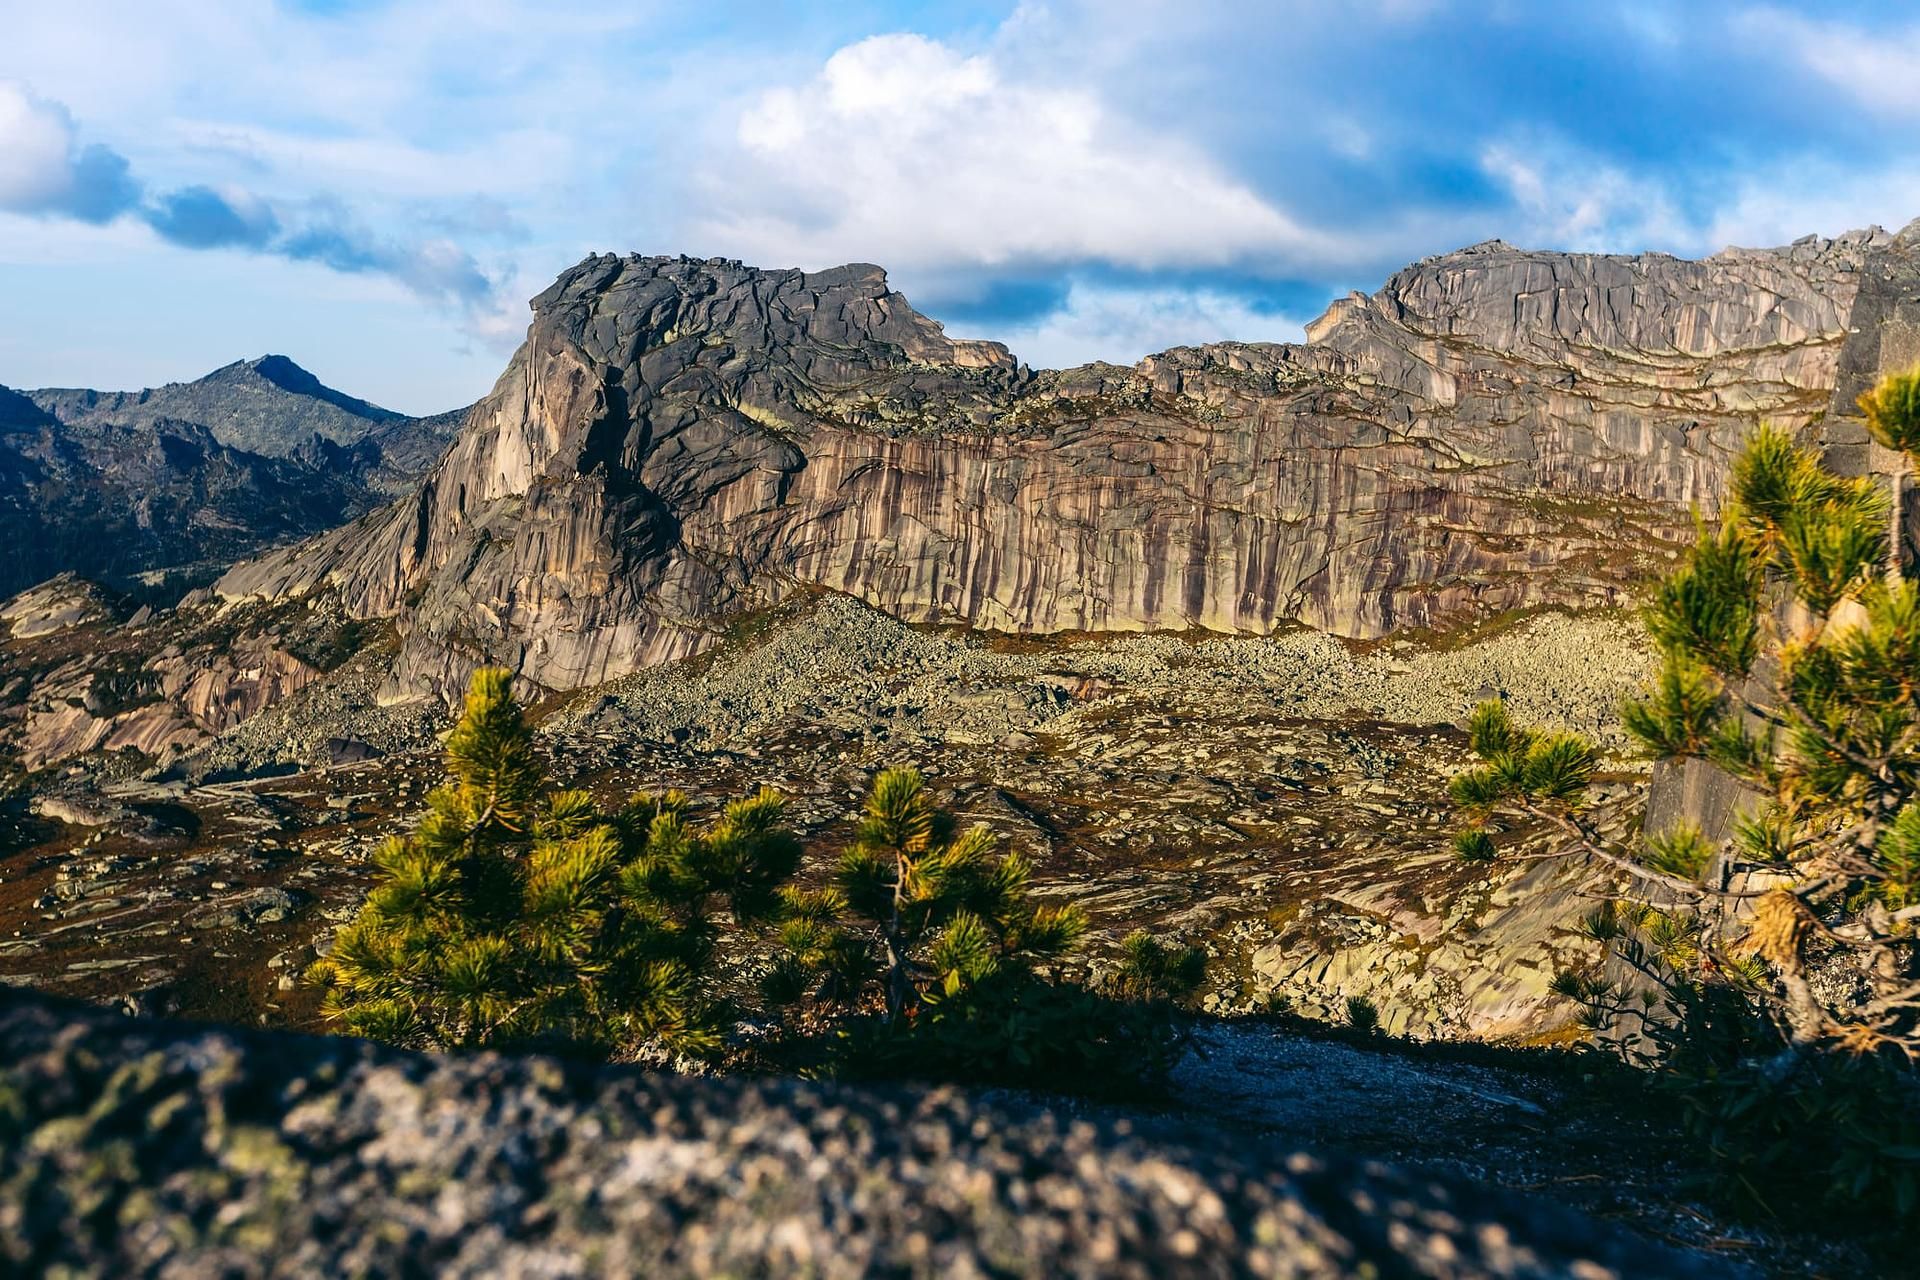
(143, 1148)
(678, 440)
(84, 670)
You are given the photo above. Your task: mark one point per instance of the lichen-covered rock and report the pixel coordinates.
(133, 1148)
(678, 440)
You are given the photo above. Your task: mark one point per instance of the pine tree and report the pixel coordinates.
(1154, 971)
(919, 910)
(925, 957)
(1790, 644)
(516, 913)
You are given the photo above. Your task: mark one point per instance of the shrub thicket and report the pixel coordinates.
(518, 914)
(1769, 976)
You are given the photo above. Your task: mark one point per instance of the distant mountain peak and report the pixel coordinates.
(282, 372)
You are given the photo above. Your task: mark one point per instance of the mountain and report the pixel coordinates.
(190, 477)
(269, 406)
(789, 474)
(679, 440)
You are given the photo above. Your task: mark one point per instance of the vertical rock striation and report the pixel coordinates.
(677, 440)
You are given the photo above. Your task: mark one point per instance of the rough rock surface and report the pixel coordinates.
(60, 602)
(82, 670)
(678, 440)
(140, 1148)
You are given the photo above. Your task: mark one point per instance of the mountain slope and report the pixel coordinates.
(193, 476)
(678, 440)
(268, 406)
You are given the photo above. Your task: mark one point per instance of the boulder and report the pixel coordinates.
(137, 1147)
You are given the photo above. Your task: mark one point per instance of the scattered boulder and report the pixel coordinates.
(350, 751)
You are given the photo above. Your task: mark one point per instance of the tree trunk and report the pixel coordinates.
(1897, 530)
(896, 949)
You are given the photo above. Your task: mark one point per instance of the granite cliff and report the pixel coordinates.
(677, 441)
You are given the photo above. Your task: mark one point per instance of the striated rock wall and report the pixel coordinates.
(678, 440)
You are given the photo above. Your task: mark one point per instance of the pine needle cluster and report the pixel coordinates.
(517, 913)
(1789, 638)
(919, 912)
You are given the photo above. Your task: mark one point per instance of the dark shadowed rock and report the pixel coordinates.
(350, 751)
(143, 1148)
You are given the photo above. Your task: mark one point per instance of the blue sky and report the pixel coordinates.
(375, 187)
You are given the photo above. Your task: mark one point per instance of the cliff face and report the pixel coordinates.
(677, 440)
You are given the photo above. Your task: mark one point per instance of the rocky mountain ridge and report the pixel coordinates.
(684, 452)
(678, 441)
(269, 406)
(185, 479)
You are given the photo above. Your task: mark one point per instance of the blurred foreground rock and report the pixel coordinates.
(152, 1148)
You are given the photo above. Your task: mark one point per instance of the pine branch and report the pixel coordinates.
(1589, 842)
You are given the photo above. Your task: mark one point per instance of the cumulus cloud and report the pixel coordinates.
(45, 170)
(905, 151)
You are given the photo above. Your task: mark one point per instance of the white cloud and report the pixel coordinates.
(904, 151)
(1120, 325)
(1571, 200)
(36, 150)
(1780, 206)
(1874, 68)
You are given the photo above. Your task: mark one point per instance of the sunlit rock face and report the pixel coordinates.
(678, 440)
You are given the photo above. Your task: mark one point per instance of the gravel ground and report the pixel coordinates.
(842, 663)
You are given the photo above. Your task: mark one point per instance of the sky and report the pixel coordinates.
(377, 187)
